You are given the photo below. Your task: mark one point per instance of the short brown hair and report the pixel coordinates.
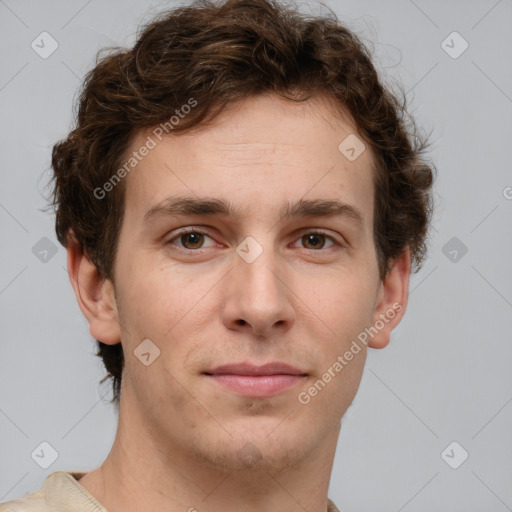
(219, 53)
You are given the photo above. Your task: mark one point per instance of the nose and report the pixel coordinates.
(258, 299)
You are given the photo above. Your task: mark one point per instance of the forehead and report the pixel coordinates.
(260, 154)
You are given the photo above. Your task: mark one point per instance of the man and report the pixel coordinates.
(242, 206)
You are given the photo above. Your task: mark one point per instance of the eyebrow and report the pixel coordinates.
(214, 206)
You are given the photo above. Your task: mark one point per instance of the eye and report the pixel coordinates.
(191, 239)
(194, 239)
(316, 240)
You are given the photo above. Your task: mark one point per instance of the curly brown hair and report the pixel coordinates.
(219, 53)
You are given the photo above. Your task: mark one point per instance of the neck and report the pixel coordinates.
(142, 473)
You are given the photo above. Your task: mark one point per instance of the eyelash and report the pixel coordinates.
(200, 232)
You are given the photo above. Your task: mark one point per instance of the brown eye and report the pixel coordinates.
(192, 240)
(314, 240)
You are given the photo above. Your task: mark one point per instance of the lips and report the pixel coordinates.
(249, 369)
(256, 381)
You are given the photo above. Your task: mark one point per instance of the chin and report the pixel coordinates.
(260, 446)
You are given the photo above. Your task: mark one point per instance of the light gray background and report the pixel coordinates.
(446, 375)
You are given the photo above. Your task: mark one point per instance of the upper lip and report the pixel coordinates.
(274, 368)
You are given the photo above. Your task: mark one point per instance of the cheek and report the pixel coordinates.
(154, 298)
(345, 307)
(344, 301)
(327, 397)
(168, 308)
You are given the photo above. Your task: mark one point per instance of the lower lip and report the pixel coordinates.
(257, 386)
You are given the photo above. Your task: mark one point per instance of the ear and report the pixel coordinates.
(391, 300)
(94, 293)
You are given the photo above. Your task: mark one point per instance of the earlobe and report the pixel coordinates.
(94, 293)
(392, 300)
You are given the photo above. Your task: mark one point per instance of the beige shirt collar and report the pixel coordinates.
(61, 492)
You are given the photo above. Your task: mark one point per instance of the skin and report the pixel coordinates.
(184, 442)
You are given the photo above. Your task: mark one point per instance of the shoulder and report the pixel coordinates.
(331, 507)
(33, 502)
(59, 487)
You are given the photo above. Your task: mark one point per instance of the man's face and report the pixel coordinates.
(250, 290)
